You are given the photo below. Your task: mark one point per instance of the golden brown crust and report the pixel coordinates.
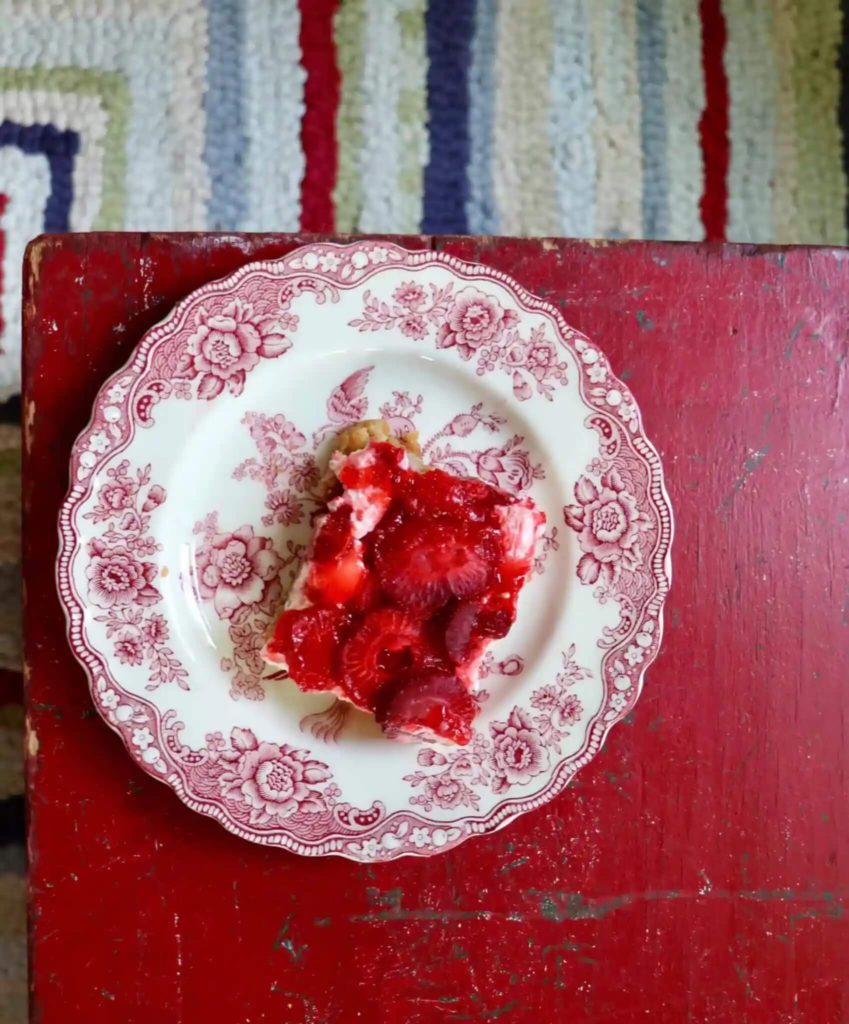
(358, 435)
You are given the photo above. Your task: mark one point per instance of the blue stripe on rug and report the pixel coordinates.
(226, 142)
(651, 57)
(60, 148)
(449, 25)
(571, 114)
(481, 211)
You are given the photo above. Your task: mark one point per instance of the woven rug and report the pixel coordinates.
(680, 119)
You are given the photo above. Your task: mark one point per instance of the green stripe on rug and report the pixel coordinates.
(349, 30)
(523, 178)
(785, 217)
(113, 93)
(822, 183)
(412, 116)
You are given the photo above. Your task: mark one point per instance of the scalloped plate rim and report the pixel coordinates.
(506, 810)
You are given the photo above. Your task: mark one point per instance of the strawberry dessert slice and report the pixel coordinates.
(411, 573)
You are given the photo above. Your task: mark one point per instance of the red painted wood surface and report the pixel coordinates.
(698, 870)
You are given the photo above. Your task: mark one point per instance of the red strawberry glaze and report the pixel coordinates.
(432, 705)
(410, 575)
(422, 563)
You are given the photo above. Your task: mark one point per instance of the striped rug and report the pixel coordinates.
(679, 119)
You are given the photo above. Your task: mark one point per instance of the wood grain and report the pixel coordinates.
(698, 870)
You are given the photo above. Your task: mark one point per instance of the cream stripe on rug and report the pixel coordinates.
(380, 156)
(616, 128)
(752, 88)
(274, 98)
(523, 180)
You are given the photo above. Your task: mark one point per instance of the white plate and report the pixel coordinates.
(189, 509)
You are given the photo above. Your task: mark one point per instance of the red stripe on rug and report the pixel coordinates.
(713, 126)
(318, 127)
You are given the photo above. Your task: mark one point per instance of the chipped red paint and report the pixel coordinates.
(698, 869)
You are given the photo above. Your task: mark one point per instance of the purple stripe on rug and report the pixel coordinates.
(449, 25)
(60, 148)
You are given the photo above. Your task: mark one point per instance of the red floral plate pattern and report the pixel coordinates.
(188, 514)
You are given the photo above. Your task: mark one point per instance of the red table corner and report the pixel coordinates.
(697, 870)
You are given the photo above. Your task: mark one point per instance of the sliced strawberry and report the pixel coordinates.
(385, 643)
(307, 641)
(459, 630)
(421, 564)
(430, 705)
(338, 581)
(333, 536)
(470, 622)
(392, 521)
(435, 493)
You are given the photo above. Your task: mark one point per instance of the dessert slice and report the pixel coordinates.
(411, 573)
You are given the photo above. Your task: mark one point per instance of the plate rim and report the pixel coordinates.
(137, 363)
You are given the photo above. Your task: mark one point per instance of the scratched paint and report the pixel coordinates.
(750, 464)
(286, 941)
(646, 323)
